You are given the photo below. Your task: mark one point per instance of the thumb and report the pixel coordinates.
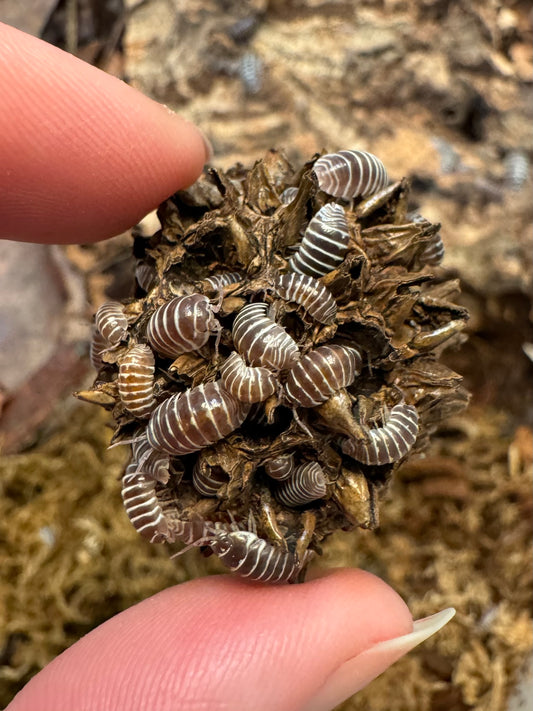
(221, 643)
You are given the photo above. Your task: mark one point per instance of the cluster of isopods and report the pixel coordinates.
(267, 362)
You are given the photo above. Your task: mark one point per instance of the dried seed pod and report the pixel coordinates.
(249, 556)
(288, 195)
(350, 174)
(96, 348)
(325, 243)
(322, 372)
(261, 340)
(146, 276)
(219, 281)
(389, 443)
(246, 383)
(154, 464)
(309, 293)
(308, 483)
(192, 420)
(136, 380)
(181, 325)
(111, 322)
(142, 506)
(280, 468)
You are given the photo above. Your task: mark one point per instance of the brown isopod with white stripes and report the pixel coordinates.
(322, 372)
(136, 381)
(219, 281)
(111, 322)
(261, 340)
(153, 463)
(142, 507)
(247, 383)
(307, 484)
(280, 468)
(288, 195)
(97, 347)
(197, 418)
(182, 325)
(206, 479)
(433, 252)
(324, 244)
(389, 443)
(350, 174)
(309, 293)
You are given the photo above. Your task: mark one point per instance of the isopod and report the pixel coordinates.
(309, 293)
(136, 380)
(280, 468)
(350, 174)
(261, 340)
(433, 252)
(244, 553)
(182, 325)
(516, 165)
(218, 281)
(142, 506)
(322, 372)
(111, 322)
(197, 418)
(324, 244)
(389, 443)
(246, 383)
(288, 195)
(146, 276)
(308, 483)
(207, 480)
(154, 464)
(251, 72)
(98, 345)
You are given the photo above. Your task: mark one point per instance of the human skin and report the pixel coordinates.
(82, 158)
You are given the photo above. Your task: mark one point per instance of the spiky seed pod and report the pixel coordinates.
(325, 243)
(322, 372)
(280, 468)
(142, 506)
(350, 174)
(307, 484)
(325, 408)
(309, 293)
(389, 443)
(111, 322)
(136, 381)
(195, 419)
(261, 340)
(247, 383)
(181, 325)
(249, 556)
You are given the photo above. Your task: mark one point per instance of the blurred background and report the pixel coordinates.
(440, 91)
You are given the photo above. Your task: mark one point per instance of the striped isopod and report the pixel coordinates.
(146, 276)
(288, 195)
(309, 293)
(433, 252)
(246, 383)
(261, 340)
(350, 174)
(516, 165)
(322, 372)
(97, 346)
(218, 281)
(111, 322)
(389, 443)
(308, 483)
(142, 506)
(136, 380)
(324, 244)
(182, 325)
(207, 480)
(152, 463)
(280, 468)
(195, 419)
(249, 556)
(196, 531)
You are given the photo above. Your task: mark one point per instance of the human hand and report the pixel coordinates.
(83, 157)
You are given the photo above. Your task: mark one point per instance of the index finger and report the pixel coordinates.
(83, 156)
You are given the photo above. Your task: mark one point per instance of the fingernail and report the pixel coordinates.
(209, 153)
(357, 672)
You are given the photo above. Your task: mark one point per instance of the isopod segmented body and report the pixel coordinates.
(433, 252)
(142, 506)
(350, 174)
(389, 443)
(261, 340)
(182, 325)
(280, 468)
(249, 556)
(207, 480)
(288, 195)
(322, 372)
(219, 281)
(153, 463)
(197, 418)
(98, 345)
(309, 293)
(246, 383)
(308, 483)
(111, 322)
(324, 244)
(136, 380)
(146, 276)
